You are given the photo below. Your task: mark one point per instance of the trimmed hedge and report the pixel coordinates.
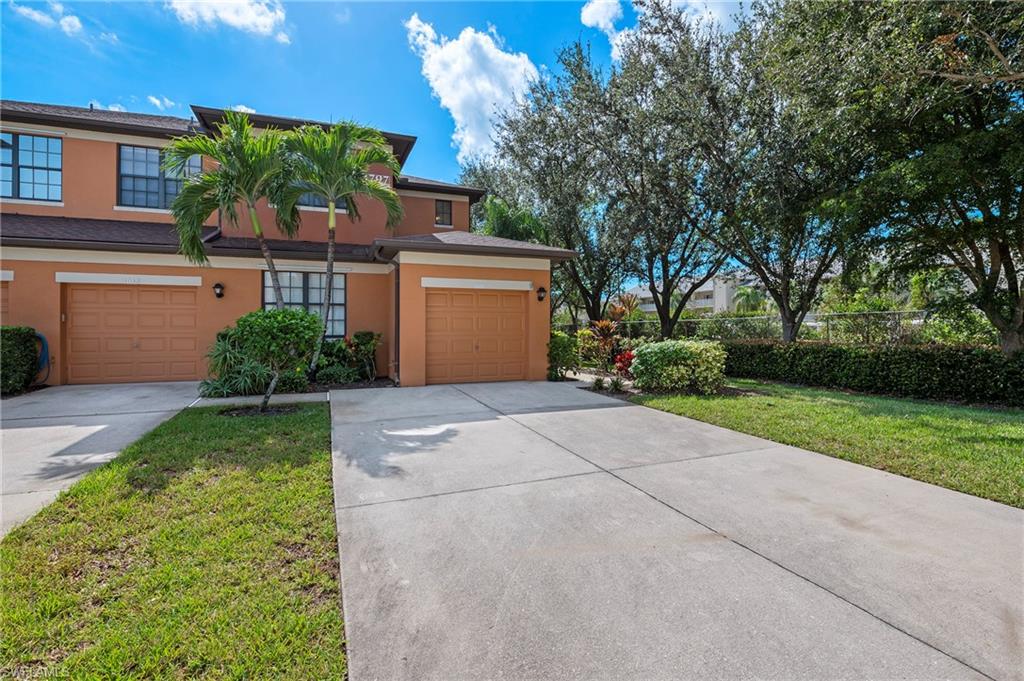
(965, 374)
(691, 366)
(19, 358)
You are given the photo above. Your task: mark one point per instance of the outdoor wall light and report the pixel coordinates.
(542, 294)
(218, 290)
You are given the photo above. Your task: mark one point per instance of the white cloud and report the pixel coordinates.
(473, 77)
(601, 14)
(344, 15)
(41, 18)
(160, 102)
(110, 107)
(110, 38)
(71, 25)
(262, 17)
(243, 108)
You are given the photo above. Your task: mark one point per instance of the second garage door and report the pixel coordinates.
(475, 335)
(119, 334)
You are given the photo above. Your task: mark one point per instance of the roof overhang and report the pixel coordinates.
(473, 193)
(389, 248)
(78, 123)
(209, 117)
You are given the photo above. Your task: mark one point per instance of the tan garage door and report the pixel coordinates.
(118, 334)
(475, 335)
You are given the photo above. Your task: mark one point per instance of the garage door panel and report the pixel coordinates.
(475, 335)
(131, 333)
(115, 296)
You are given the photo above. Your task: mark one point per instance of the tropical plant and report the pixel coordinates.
(623, 361)
(334, 166)
(598, 384)
(250, 167)
(606, 332)
(616, 385)
(630, 302)
(748, 299)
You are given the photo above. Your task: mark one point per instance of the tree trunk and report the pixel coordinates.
(265, 250)
(1011, 341)
(790, 327)
(270, 391)
(328, 285)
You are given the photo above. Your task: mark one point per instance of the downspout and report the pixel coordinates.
(377, 257)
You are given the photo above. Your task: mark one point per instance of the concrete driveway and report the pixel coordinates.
(52, 437)
(538, 531)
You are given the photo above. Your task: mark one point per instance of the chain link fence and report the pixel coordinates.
(892, 327)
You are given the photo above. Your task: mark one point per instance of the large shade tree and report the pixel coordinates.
(937, 91)
(248, 168)
(652, 172)
(785, 191)
(559, 181)
(335, 165)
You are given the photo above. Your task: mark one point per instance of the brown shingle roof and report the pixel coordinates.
(94, 119)
(152, 237)
(470, 243)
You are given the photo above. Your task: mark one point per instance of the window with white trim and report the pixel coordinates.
(305, 291)
(442, 213)
(31, 167)
(143, 182)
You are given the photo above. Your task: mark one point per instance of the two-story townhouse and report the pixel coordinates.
(89, 259)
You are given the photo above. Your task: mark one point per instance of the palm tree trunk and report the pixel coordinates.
(278, 296)
(328, 283)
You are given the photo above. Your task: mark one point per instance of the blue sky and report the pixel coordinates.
(434, 70)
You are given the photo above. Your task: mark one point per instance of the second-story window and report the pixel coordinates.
(143, 183)
(443, 213)
(30, 167)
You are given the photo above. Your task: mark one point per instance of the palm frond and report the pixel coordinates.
(191, 208)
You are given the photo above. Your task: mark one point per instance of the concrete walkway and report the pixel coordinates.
(52, 437)
(537, 531)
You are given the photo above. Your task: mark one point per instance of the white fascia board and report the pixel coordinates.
(490, 284)
(125, 279)
(459, 260)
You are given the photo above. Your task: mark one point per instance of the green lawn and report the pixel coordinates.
(207, 548)
(973, 450)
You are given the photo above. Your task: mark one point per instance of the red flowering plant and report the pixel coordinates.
(623, 361)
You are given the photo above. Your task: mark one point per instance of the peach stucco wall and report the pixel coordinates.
(413, 312)
(34, 299)
(89, 190)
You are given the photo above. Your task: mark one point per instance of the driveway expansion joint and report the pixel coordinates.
(740, 544)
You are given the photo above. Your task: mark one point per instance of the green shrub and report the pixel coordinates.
(338, 374)
(634, 343)
(363, 346)
(691, 366)
(938, 372)
(281, 340)
(588, 348)
(562, 355)
(233, 371)
(293, 381)
(617, 385)
(598, 384)
(20, 358)
(244, 358)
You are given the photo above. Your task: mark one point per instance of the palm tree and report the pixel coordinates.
(334, 165)
(748, 299)
(250, 167)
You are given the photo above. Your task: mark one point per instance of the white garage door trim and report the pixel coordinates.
(492, 284)
(126, 279)
(6, 275)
